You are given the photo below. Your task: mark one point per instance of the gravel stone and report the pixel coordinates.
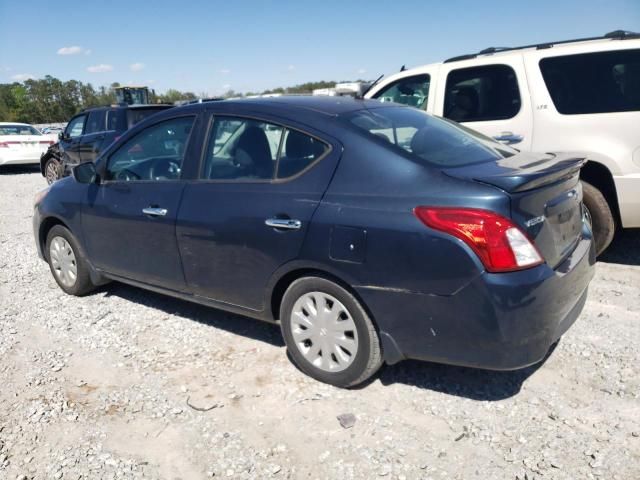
(128, 384)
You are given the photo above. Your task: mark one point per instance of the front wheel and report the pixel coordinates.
(602, 221)
(52, 170)
(67, 263)
(328, 334)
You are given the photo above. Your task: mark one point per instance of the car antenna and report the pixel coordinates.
(402, 68)
(366, 90)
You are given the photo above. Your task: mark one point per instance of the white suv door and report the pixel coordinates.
(415, 90)
(489, 95)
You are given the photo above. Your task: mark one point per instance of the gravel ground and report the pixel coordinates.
(129, 384)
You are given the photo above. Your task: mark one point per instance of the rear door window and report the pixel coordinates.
(136, 115)
(243, 149)
(298, 152)
(597, 82)
(480, 94)
(412, 91)
(112, 120)
(95, 122)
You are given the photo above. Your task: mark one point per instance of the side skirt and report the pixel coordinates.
(208, 302)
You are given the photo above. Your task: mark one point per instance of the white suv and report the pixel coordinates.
(576, 95)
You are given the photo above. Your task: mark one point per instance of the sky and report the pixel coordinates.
(213, 46)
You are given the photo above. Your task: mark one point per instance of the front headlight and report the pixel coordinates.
(40, 196)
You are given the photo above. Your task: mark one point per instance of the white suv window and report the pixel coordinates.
(480, 94)
(594, 82)
(413, 91)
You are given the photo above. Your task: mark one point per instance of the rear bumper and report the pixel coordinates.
(20, 159)
(498, 321)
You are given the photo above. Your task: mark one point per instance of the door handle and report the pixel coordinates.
(283, 223)
(508, 138)
(154, 211)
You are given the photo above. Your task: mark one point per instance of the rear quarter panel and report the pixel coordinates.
(373, 195)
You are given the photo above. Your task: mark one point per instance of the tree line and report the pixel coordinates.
(50, 100)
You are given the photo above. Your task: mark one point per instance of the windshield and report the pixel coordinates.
(18, 130)
(426, 138)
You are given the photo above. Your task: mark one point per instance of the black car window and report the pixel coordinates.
(154, 154)
(242, 149)
(112, 120)
(76, 126)
(425, 138)
(412, 91)
(480, 94)
(298, 152)
(95, 122)
(594, 82)
(136, 115)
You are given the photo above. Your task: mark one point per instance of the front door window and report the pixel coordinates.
(154, 154)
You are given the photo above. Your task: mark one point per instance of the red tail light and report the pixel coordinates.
(47, 142)
(500, 244)
(4, 144)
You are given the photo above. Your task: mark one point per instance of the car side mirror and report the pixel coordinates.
(85, 173)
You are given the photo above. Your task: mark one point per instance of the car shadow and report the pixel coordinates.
(19, 169)
(625, 248)
(471, 383)
(230, 322)
(464, 382)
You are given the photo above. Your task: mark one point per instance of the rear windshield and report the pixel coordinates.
(426, 138)
(594, 82)
(18, 130)
(135, 115)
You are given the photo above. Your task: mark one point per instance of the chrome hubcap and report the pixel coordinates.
(324, 331)
(63, 261)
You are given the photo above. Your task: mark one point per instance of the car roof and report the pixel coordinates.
(611, 41)
(159, 106)
(327, 105)
(561, 44)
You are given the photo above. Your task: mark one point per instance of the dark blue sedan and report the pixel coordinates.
(370, 232)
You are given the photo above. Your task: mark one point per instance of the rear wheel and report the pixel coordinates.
(328, 334)
(52, 170)
(67, 263)
(602, 221)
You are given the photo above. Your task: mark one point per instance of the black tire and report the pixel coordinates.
(602, 219)
(52, 170)
(368, 357)
(82, 284)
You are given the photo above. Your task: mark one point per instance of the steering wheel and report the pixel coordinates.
(127, 175)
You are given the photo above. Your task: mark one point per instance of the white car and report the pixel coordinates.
(575, 95)
(21, 143)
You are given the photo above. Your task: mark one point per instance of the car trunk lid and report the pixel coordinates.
(545, 194)
(24, 143)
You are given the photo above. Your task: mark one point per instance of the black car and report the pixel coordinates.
(371, 232)
(89, 133)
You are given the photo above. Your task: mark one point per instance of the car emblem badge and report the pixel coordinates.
(534, 221)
